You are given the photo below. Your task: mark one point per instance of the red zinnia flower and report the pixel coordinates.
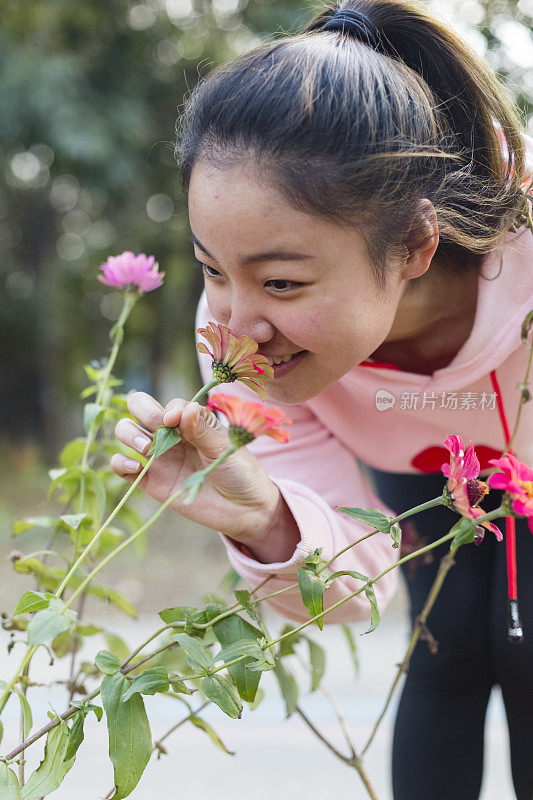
(133, 273)
(232, 358)
(515, 478)
(464, 489)
(249, 420)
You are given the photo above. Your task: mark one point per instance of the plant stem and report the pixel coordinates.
(521, 402)
(118, 549)
(175, 727)
(127, 306)
(352, 761)
(91, 544)
(445, 565)
(205, 389)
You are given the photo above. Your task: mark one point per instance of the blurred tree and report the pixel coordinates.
(88, 99)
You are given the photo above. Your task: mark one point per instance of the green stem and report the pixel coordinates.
(445, 565)
(91, 544)
(205, 389)
(521, 402)
(130, 299)
(437, 501)
(119, 548)
(30, 650)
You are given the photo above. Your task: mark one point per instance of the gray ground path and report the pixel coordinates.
(274, 757)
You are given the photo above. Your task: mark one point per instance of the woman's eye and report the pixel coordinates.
(208, 271)
(282, 285)
(276, 283)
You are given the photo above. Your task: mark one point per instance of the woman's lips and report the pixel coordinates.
(285, 366)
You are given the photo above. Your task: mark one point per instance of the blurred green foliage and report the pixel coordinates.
(89, 94)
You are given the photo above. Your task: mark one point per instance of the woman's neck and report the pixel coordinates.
(432, 322)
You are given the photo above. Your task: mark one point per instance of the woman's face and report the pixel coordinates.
(294, 282)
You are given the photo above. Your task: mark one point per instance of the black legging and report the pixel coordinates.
(438, 736)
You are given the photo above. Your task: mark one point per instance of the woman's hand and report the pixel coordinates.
(237, 498)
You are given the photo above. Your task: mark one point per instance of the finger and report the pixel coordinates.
(201, 428)
(147, 410)
(173, 412)
(126, 467)
(132, 435)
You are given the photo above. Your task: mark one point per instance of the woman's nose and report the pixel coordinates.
(249, 320)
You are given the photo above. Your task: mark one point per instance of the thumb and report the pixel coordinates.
(201, 428)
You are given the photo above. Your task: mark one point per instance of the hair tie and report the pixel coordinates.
(354, 23)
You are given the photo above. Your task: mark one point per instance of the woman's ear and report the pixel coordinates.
(421, 241)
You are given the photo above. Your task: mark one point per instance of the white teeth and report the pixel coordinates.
(281, 360)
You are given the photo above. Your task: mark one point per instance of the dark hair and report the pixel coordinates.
(360, 134)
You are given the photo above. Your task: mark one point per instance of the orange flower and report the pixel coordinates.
(232, 358)
(249, 420)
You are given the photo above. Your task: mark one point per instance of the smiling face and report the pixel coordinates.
(290, 280)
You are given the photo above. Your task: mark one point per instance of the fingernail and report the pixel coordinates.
(141, 442)
(131, 465)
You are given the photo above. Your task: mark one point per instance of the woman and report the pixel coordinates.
(353, 213)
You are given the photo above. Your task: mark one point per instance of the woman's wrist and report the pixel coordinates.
(275, 536)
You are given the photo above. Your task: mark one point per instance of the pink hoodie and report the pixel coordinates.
(395, 421)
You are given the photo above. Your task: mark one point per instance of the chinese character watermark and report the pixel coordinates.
(451, 401)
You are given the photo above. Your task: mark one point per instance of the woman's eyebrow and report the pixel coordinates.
(271, 255)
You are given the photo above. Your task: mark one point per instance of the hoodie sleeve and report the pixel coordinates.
(314, 473)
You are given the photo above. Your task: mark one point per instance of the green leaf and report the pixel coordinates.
(113, 597)
(151, 681)
(288, 686)
(50, 622)
(240, 648)
(164, 439)
(130, 740)
(352, 647)
(63, 644)
(107, 662)
(222, 691)
(23, 525)
(32, 601)
(9, 785)
(244, 598)
(358, 575)
(312, 591)
(198, 657)
(179, 686)
(204, 726)
(260, 695)
(234, 629)
(317, 659)
(27, 719)
(396, 533)
(286, 646)
(117, 646)
(53, 768)
(68, 477)
(374, 613)
(72, 452)
(370, 516)
(73, 521)
(92, 414)
(75, 736)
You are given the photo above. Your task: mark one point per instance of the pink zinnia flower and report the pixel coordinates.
(515, 478)
(463, 487)
(249, 420)
(133, 273)
(234, 358)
